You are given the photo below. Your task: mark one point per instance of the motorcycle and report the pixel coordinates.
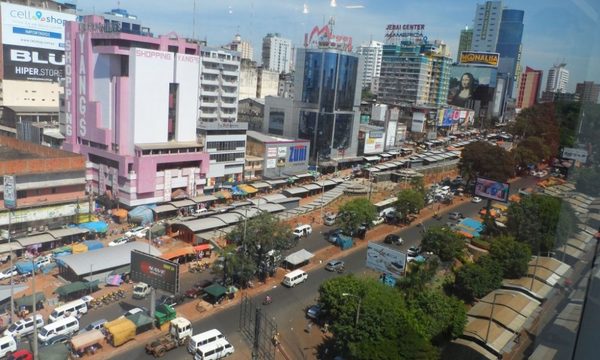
(267, 300)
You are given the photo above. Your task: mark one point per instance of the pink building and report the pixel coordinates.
(130, 106)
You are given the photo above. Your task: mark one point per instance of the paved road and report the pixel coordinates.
(289, 305)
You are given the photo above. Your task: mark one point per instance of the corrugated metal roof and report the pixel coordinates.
(295, 191)
(36, 239)
(182, 203)
(229, 218)
(106, 258)
(60, 233)
(204, 198)
(164, 208)
(272, 208)
(260, 185)
(311, 187)
(203, 224)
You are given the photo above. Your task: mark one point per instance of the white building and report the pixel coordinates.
(372, 54)
(486, 26)
(276, 53)
(223, 137)
(241, 46)
(558, 78)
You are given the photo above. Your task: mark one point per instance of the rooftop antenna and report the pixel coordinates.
(194, 21)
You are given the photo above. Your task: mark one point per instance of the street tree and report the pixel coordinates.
(443, 242)
(475, 280)
(234, 267)
(259, 235)
(418, 276)
(541, 221)
(538, 121)
(440, 316)
(383, 319)
(354, 213)
(530, 151)
(481, 159)
(409, 202)
(418, 184)
(513, 256)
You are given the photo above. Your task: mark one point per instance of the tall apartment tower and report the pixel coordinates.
(509, 45)
(486, 26)
(558, 78)
(372, 54)
(223, 137)
(276, 53)
(530, 83)
(414, 73)
(588, 91)
(464, 43)
(243, 47)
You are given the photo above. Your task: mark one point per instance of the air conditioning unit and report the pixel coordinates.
(29, 230)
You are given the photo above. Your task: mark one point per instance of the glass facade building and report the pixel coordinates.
(330, 85)
(509, 45)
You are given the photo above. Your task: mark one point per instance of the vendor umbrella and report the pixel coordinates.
(114, 280)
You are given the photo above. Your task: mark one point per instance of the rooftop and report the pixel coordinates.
(270, 138)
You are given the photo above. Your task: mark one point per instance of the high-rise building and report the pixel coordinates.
(138, 132)
(558, 78)
(415, 73)
(464, 43)
(486, 26)
(223, 137)
(242, 46)
(372, 54)
(276, 53)
(529, 88)
(588, 91)
(509, 45)
(327, 100)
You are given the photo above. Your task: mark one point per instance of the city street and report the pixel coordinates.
(289, 305)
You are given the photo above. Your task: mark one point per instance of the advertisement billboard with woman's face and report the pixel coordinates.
(471, 86)
(491, 189)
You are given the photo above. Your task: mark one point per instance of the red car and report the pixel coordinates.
(198, 289)
(20, 355)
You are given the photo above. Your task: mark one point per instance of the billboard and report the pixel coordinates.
(374, 142)
(491, 189)
(471, 86)
(154, 271)
(34, 42)
(451, 117)
(575, 154)
(479, 58)
(385, 260)
(418, 122)
(10, 192)
(297, 153)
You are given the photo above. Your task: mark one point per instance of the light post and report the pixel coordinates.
(492, 312)
(357, 306)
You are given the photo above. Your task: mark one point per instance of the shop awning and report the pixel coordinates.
(260, 185)
(182, 203)
(77, 287)
(371, 158)
(164, 208)
(299, 257)
(302, 176)
(36, 239)
(203, 247)
(311, 187)
(276, 182)
(295, 191)
(119, 213)
(393, 152)
(28, 300)
(248, 189)
(188, 250)
(223, 194)
(13, 246)
(215, 290)
(204, 198)
(385, 155)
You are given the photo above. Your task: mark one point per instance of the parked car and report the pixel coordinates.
(314, 312)
(20, 355)
(6, 273)
(96, 325)
(476, 199)
(302, 230)
(334, 265)
(414, 251)
(56, 339)
(455, 215)
(378, 220)
(171, 300)
(393, 239)
(136, 310)
(198, 289)
(120, 241)
(139, 232)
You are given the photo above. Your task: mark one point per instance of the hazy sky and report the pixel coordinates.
(555, 30)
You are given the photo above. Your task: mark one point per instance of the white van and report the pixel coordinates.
(204, 338)
(390, 210)
(24, 326)
(303, 230)
(294, 278)
(330, 219)
(73, 308)
(215, 350)
(65, 326)
(7, 344)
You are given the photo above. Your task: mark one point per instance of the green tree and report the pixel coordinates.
(539, 121)
(588, 181)
(442, 317)
(541, 221)
(384, 319)
(486, 160)
(475, 280)
(567, 114)
(443, 242)
(417, 277)
(367, 95)
(531, 151)
(234, 267)
(354, 213)
(259, 235)
(409, 202)
(512, 255)
(418, 184)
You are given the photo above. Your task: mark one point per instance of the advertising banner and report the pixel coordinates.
(282, 151)
(491, 189)
(297, 153)
(479, 58)
(10, 192)
(575, 154)
(390, 134)
(23, 63)
(418, 122)
(271, 163)
(385, 260)
(272, 152)
(154, 271)
(34, 27)
(470, 85)
(374, 142)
